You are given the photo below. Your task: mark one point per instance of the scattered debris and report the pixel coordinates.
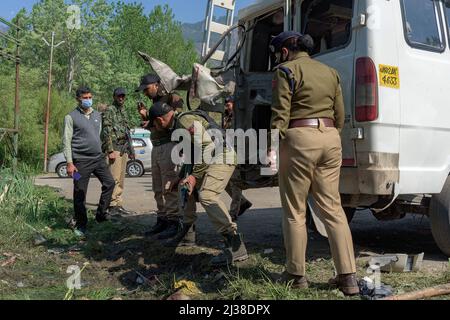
(3, 195)
(20, 284)
(11, 259)
(398, 262)
(56, 251)
(141, 279)
(269, 251)
(39, 240)
(187, 286)
(372, 291)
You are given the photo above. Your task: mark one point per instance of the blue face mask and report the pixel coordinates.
(86, 103)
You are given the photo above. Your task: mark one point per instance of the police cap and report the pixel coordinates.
(277, 42)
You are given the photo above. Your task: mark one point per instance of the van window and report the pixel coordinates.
(421, 23)
(267, 27)
(328, 22)
(447, 16)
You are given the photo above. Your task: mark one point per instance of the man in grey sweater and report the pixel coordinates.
(83, 152)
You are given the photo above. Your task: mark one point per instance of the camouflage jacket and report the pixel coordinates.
(116, 131)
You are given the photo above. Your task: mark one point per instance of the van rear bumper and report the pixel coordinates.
(375, 174)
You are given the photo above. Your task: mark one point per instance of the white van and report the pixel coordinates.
(394, 60)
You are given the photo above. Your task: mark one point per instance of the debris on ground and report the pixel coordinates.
(372, 291)
(39, 240)
(423, 294)
(56, 251)
(10, 259)
(3, 194)
(398, 262)
(269, 251)
(187, 287)
(149, 281)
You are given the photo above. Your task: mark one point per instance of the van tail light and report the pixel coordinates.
(366, 93)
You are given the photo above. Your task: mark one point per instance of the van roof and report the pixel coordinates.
(259, 5)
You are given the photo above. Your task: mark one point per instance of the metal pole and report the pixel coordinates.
(17, 102)
(49, 97)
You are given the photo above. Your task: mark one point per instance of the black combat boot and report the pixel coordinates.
(185, 238)
(160, 226)
(171, 231)
(234, 251)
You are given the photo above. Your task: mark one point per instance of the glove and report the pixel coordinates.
(191, 182)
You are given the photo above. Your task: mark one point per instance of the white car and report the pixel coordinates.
(135, 168)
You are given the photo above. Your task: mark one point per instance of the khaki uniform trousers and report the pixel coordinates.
(213, 184)
(311, 159)
(164, 171)
(118, 169)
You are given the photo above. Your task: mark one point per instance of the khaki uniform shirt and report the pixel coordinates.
(317, 93)
(188, 122)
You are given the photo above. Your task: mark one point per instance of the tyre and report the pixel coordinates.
(440, 218)
(61, 170)
(135, 169)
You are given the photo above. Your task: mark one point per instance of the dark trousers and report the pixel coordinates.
(86, 168)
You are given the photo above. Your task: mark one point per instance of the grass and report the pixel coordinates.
(117, 255)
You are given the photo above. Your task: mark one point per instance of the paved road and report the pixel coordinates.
(262, 224)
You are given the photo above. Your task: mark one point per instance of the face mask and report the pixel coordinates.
(86, 103)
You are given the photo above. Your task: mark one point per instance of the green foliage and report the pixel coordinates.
(27, 209)
(101, 54)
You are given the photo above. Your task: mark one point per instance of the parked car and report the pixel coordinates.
(135, 168)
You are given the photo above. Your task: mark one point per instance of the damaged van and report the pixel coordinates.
(394, 61)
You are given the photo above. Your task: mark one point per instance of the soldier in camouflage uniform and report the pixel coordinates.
(164, 171)
(208, 178)
(117, 145)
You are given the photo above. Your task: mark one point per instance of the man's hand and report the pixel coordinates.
(143, 114)
(191, 182)
(144, 124)
(71, 169)
(172, 186)
(112, 157)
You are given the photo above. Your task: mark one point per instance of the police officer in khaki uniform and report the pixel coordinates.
(164, 171)
(308, 110)
(209, 178)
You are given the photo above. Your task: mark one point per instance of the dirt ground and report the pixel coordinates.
(262, 224)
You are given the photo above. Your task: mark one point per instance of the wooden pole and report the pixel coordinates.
(423, 294)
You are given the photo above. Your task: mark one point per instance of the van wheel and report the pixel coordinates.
(61, 170)
(440, 218)
(135, 169)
